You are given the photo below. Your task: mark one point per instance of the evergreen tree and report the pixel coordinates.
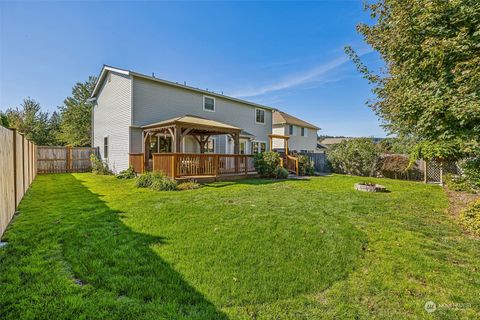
(75, 127)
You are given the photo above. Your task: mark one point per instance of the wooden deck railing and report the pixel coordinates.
(292, 164)
(178, 165)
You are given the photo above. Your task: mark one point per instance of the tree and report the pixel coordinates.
(359, 156)
(31, 121)
(75, 127)
(4, 120)
(431, 85)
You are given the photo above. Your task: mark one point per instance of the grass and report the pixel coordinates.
(95, 247)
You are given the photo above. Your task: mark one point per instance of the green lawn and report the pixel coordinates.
(89, 247)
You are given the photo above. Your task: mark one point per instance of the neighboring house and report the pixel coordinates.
(328, 142)
(302, 135)
(139, 114)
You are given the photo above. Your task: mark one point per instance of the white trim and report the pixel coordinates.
(305, 131)
(213, 139)
(214, 107)
(264, 116)
(106, 69)
(259, 149)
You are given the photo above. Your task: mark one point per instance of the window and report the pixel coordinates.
(208, 104)
(210, 146)
(259, 116)
(290, 130)
(263, 146)
(105, 147)
(304, 132)
(258, 147)
(243, 147)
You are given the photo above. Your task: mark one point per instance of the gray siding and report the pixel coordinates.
(154, 102)
(296, 141)
(112, 119)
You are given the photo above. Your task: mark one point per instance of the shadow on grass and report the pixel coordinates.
(123, 276)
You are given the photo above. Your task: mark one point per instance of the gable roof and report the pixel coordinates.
(106, 69)
(280, 117)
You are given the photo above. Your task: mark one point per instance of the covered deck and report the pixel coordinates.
(178, 164)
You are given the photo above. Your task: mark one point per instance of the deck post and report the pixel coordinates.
(216, 164)
(246, 164)
(174, 166)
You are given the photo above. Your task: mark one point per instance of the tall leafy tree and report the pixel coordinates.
(31, 121)
(4, 120)
(430, 87)
(75, 127)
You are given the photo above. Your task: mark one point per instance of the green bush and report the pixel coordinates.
(145, 180)
(164, 184)
(99, 167)
(266, 163)
(156, 181)
(471, 171)
(306, 166)
(281, 173)
(190, 185)
(457, 183)
(470, 217)
(358, 156)
(126, 174)
(397, 166)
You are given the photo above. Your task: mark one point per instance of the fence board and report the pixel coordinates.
(63, 159)
(17, 171)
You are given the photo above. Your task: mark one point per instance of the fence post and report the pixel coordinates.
(425, 171)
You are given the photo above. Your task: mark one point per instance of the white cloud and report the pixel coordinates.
(313, 75)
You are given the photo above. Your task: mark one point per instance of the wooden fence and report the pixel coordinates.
(18, 168)
(64, 159)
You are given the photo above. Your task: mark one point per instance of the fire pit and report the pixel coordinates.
(370, 187)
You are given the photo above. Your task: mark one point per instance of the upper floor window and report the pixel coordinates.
(304, 132)
(290, 130)
(259, 116)
(208, 103)
(105, 147)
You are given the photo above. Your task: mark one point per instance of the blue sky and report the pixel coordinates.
(284, 55)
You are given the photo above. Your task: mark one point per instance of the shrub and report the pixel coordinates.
(356, 156)
(190, 185)
(266, 163)
(471, 171)
(99, 167)
(306, 166)
(281, 173)
(457, 183)
(397, 166)
(164, 184)
(470, 217)
(145, 180)
(156, 181)
(126, 174)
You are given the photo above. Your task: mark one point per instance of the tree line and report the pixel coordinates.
(69, 125)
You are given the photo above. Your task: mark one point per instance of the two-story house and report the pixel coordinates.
(138, 114)
(302, 135)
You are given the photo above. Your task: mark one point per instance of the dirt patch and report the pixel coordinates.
(459, 200)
